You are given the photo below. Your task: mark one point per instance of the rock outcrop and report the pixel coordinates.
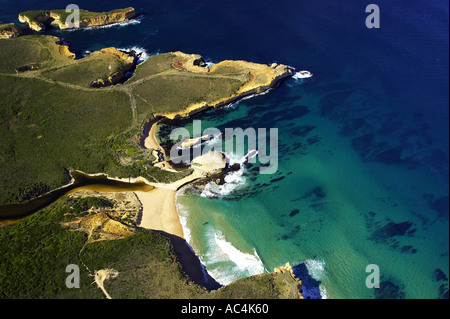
(210, 162)
(190, 62)
(64, 50)
(39, 19)
(9, 30)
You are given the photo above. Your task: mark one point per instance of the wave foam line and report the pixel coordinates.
(225, 263)
(137, 20)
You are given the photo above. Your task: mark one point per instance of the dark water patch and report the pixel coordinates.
(408, 249)
(331, 104)
(314, 140)
(277, 179)
(352, 126)
(295, 212)
(390, 230)
(315, 195)
(302, 131)
(372, 151)
(411, 232)
(440, 205)
(310, 286)
(443, 292)
(289, 235)
(389, 233)
(390, 289)
(439, 275)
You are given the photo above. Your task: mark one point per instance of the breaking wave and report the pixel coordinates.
(235, 104)
(144, 54)
(136, 20)
(183, 215)
(233, 180)
(225, 263)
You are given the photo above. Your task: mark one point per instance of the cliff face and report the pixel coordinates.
(9, 30)
(64, 50)
(109, 18)
(32, 24)
(38, 20)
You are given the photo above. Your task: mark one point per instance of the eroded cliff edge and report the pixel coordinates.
(38, 20)
(9, 30)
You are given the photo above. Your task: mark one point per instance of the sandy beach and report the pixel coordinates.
(150, 142)
(159, 205)
(160, 212)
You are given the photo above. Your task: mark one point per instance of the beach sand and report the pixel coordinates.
(159, 211)
(151, 142)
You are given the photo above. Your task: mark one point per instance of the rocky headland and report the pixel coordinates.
(9, 30)
(261, 77)
(39, 20)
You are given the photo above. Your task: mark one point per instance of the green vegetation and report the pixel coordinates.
(85, 71)
(159, 88)
(154, 65)
(39, 51)
(35, 252)
(155, 95)
(48, 129)
(51, 121)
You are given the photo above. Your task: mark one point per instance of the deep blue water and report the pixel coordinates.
(363, 144)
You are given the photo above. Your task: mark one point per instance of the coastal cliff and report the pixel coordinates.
(128, 59)
(38, 20)
(9, 30)
(64, 50)
(260, 78)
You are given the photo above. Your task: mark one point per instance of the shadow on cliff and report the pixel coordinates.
(310, 286)
(190, 263)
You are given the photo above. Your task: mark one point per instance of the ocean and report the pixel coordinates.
(362, 175)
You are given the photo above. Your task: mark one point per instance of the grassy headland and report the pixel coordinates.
(52, 121)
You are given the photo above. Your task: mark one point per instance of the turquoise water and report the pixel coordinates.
(363, 145)
(331, 211)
